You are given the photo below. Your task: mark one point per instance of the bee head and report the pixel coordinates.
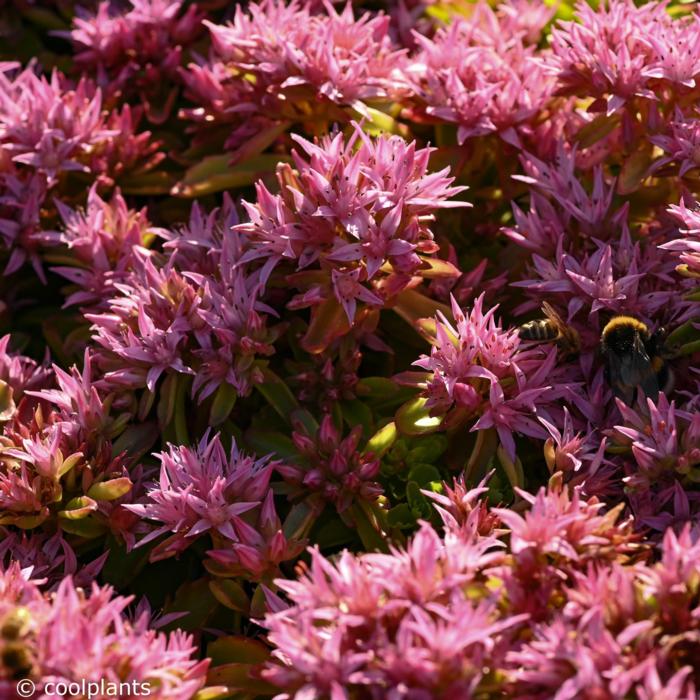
(620, 333)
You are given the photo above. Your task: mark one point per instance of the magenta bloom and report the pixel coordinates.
(136, 52)
(283, 62)
(618, 53)
(204, 490)
(400, 620)
(101, 242)
(480, 76)
(353, 219)
(195, 312)
(74, 635)
(478, 374)
(53, 135)
(665, 462)
(681, 143)
(332, 466)
(687, 246)
(57, 470)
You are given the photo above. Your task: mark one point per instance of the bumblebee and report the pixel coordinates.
(16, 659)
(551, 329)
(634, 359)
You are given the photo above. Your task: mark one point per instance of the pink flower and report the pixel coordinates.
(681, 143)
(354, 217)
(305, 66)
(332, 466)
(74, 635)
(204, 490)
(480, 77)
(606, 53)
(191, 313)
(687, 246)
(50, 558)
(137, 51)
(201, 490)
(402, 620)
(477, 373)
(102, 240)
(665, 450)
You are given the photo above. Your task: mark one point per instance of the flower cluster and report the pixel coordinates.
(101, 243)
(75, 635)
(137, 52)
(279, 63)
(58, 469)
(480, 75)
(478, 374)
(274, 321)
(480, 609)
(333, 466)
(53, 137)
(620, 52)
(204, 491)
(167, 317)
(352, 219)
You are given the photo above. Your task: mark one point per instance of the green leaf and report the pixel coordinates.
(224, 401)
(513, 469)
(356, 412)
(78, 508)
(300, 519)
(212, 693)
(401, 516)
(197, 600)
(689, 348)
(414, 307)
(597, 129)
(230, 594)
(376, 387)
(481, 455)
(110, 490)
(122, 567)
(136, 440)
(429, 449)
(7, 403)
(266, 442)
(435, 268)
(41, 17)
(237, 649)
(278, 395)
(167, 399)
(423, 474)
(413, 418)
(683, 334)
(331, 534)
(216, 174)
(23, 522)
(239, 677)
(382, 440)
(258, 143)
(89, 528)
(328, 322)
(372, 540)
(634, 171)
(417, 502)
(147, 184)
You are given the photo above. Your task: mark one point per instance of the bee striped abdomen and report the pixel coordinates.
(541, 329)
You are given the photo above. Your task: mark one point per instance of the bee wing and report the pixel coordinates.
(631, 370)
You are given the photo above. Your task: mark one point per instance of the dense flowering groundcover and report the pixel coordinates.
(271, 423)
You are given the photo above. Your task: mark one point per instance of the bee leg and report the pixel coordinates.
(667, 379)
(650, 387)
(625, 393)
